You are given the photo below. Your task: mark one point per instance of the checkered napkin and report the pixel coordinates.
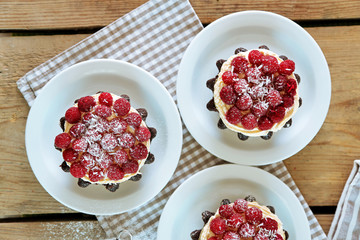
(154, 36)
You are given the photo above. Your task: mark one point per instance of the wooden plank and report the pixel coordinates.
(325, 221)
(65, 14)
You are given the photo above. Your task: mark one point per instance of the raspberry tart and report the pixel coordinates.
(105, 140)
(255, 92)
(244, 219)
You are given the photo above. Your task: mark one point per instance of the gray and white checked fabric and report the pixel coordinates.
(154, 36)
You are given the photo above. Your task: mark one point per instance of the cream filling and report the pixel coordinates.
(223, 108)
(141, 162)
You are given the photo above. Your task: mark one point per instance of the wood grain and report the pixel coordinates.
(68, 14)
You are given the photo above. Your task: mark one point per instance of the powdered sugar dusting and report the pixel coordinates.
(73, 230)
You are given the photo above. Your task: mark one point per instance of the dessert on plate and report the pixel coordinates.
(255, 93)
(243, 219)
(105, 140)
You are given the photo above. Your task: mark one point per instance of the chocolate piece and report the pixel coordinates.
(271, 208)
(298, 79)
(221, 124)
(240, 49)
(125, 96)
(250, 198)
(136, 178)
(242, 137)
(99, 92)
(195, 234)
(288, 123)
(143, 113)
(150, 159)
(62, 123)
(211, 105)
(83, 183)
(219, 63)
(153, 133)
(225, 201)
(283, 57)
(65, 167)
(211, 83)
(300, 102)
(286, 234)
(206, 215)
(267, 136)
(76, 100)
(112, 187)
(59, 149)
(264, 47)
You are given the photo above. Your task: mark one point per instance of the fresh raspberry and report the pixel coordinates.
(258, 92)
(277, 237)
(253, 75)
(121, 156)
(240, 205)
(240, 64)
(261, 236)
(142, 134)
(133, 119)
(93, 135)
(89, 119)
(105, 160)
(280, 82)
(291, 87)
(62, 140)
(255, 57)
(105, 98)
(228, 77)
(218, 225)
(287, 67)
(138, 151)
(241, 86)
(121, 106)
(103, 111)
(118, 125)
(273, 97)
(108, 142)
(86, 104)
(244, 102)
(77, 130)
(73, 115)
(130, 166)
(102, 125)
(288, 101)
(214, 238)
(253, 215)
(226, 210)
(80, 145)
(233, 115)
(247, 230)
(277, 114)
(70, 155)
(231, 235)
(77, 170)
(249, 121)
(227, 95)
(270, 64)
(235, 221)
(94, 149)
(87, 160)
(114, 172)
(259, 109)
(126, 140)
(269, 224)
(264, 123)
(96, 174)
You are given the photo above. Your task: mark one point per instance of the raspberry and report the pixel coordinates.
(93, 135)
(105, 160)
(121, 106)
(240, 64)
(258, 92)
(231, 235)
(287, 67)
(264, 123)
(218, 225)
(244, 102)
(277, 114)
(138, 151)
(130, 166)
(142, 134)
(118, 125)
(88, 119)
(273, 97)
(62, 140)
(102, 125)
(96, 174)
(121, 156)
(108, 142)
(279, 82)
(86, 104)
(228, 77)
(255, 57)
(94, 149)
(103, 111)
(105, 98)
(227, 95)
(80, 145)
(259, 109)
(233, 115)
(241, 86)
(291, 86)
(133, 119)
(87, 160)
(247, 230)
(288, 101)
(269, 224)
(253, 215)
(261, 236)
(70, 155)
(114, 172)
(249, 121)
(226, 210)
(213, 238)
(77, 130)
(253, 75)
(240, 205)
(73, 115)
(77, 170)
(235, 221)
(127, 140)
(270, 64)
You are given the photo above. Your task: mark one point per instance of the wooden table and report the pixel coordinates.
(32, 32)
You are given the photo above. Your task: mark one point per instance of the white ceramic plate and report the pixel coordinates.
(87, 78)
(250, 29)
(205, 190)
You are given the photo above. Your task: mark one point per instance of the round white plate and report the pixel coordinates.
(87, 78)
(250, 29)
(205, 190)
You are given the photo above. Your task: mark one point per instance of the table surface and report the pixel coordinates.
(32, 32)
